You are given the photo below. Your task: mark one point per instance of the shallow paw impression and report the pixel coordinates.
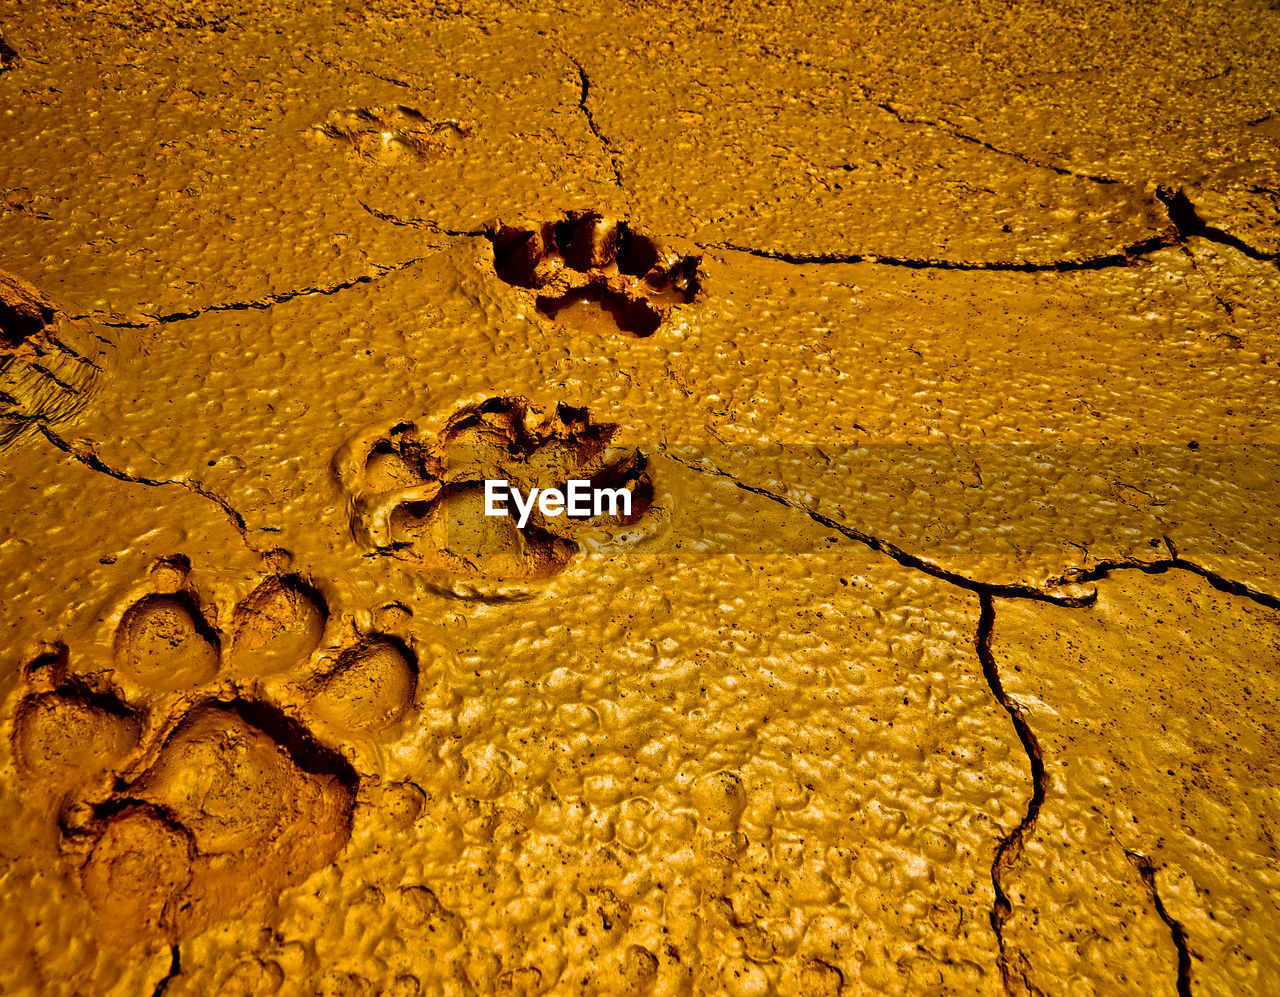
(388, 132)
(596, 274)
(422, 499)
(184, 794)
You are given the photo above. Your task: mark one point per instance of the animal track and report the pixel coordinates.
(422, 499)
(184, 795)
(387, 132)
(592, 272)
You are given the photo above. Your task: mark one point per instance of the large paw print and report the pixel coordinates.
(184, 793)
(592, 272)
(421, 498)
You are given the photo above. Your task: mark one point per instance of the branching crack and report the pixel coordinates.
(263, 303)
(1189, 223)
(1178, 933)
(1079, 577)
(1015, 978)
(1173, 562)
(1184, 224)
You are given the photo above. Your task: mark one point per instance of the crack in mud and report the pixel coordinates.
(88, 457)
(1124, 257)
(1174, 561)
(1010, 846)
(1178, 933)
(425, 223)
(888, 104)
(254, 304)
(1080, 576)
(1185, 224)
(175, 968)
(585, 108)
(1189, 224)
(955, 131)
(904, 558)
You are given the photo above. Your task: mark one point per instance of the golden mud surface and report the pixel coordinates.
(939, 346)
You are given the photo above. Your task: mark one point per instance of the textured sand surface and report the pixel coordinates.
(939, 344)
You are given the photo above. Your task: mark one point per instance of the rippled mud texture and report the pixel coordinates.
(939, 346)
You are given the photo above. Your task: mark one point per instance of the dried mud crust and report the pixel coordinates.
(183, 793)
(591, 270)
(420, 498)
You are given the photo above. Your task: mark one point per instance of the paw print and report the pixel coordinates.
(385, 133)
(185, 793)
(420, 497)
(589, 271)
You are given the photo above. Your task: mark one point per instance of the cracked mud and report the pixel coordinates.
(938, 654)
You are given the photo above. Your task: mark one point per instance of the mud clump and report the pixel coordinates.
(592, 272)
(422, 499)
(24, 312)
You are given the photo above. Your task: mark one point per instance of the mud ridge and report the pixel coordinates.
(1179, 934)
(1124, 257)
(1010, 846)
